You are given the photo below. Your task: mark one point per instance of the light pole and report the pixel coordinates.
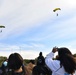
(20, 49)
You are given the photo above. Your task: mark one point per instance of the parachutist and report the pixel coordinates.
(57, 14)
(0, 31)
(55, 10)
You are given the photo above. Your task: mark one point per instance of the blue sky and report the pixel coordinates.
(31, 26)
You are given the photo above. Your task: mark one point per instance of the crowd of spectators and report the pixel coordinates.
(64, 64)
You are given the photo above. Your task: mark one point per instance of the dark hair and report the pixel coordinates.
(15, 61)
(67, 60)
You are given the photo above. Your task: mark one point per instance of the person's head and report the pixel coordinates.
(40, 54)
(15, 61)
(66, 60)
(63, 51)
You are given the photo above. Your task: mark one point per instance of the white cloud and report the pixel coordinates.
(21, 16)
(26, 54)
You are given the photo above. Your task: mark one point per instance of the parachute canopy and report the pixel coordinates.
(56, 9)
(1, 26)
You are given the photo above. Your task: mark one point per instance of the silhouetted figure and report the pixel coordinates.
(41, 68)
(40, 60)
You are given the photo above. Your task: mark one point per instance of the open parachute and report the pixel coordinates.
(1, 26)
(56, 9)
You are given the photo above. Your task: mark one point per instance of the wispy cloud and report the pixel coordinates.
(32, 26)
